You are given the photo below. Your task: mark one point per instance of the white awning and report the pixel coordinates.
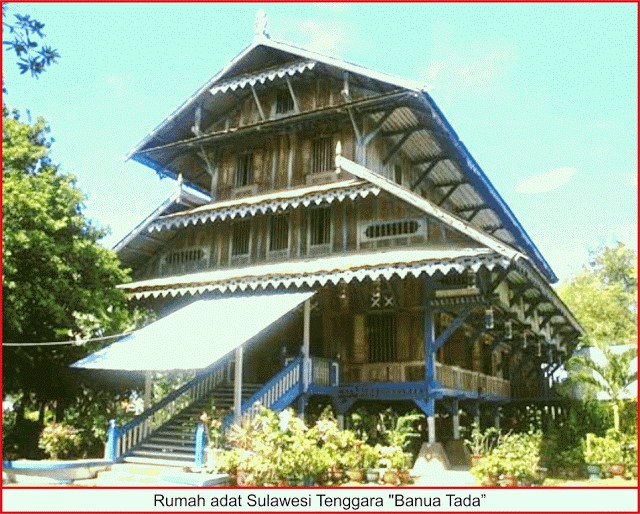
(195, 336)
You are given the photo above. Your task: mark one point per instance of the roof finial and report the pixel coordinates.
(261, 24)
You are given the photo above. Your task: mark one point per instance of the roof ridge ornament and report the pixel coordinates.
(261, 25)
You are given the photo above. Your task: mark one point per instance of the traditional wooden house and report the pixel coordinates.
(330, 236)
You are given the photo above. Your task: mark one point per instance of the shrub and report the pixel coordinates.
(61, 441)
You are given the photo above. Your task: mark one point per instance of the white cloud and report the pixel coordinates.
(475, 68)
(327, 37)
(545, 182)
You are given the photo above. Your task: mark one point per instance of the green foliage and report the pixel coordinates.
(61, 441)
(22, 37)
(482, 442)
(613, 376)
(603, 451)
(58, 282)
(398, 430)
(517, 455)
(604, 296)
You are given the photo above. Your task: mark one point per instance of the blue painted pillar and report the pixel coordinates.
(201, 444)
(429, 333)
(113, 434)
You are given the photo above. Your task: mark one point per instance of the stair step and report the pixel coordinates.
(173, 463)
(151, 445)
(188, 439)
(187, 457)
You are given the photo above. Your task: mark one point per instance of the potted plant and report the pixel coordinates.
(487, 469)
(481, 443)
(371, 461)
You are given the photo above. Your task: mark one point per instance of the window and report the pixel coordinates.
(279, 232)
(244, 170)
(320, 226)
(394, 228)
(184, 256)
(322, 158)
(397, 170)
(381, 331)
(184, 261)
(284, 101)
(240, 237)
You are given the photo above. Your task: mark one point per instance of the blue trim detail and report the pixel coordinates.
(113, 434)
(492, 198)
(201, 444)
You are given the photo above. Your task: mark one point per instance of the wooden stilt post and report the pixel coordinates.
(455, 417)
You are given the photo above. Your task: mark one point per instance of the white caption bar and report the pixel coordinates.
(319, 500)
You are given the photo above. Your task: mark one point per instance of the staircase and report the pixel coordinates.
(173, 444)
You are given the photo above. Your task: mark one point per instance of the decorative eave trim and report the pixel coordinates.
(290, 199)
(321, 278)
(271, 74)
(426, 206)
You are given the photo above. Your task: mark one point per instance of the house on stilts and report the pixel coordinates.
(330, 237)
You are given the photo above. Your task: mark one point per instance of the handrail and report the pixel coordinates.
(121, 440)
(287, 382)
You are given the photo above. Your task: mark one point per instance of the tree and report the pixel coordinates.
(604, 296)
(611, 375)
(23, 34)
(58, 283)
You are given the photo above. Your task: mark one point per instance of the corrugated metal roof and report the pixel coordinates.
(321, 271)
(266, 203)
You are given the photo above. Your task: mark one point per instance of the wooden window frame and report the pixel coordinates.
(325, 247)
(240, 258)
(279, 252)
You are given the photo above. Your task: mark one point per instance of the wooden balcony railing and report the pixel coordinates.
(451, 377)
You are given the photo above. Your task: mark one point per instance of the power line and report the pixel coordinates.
(74, 342)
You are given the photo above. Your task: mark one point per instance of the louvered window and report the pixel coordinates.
(279, 232)
(381, 331)
(320, 226)
(244, 170)
(241, 236)
(392, 228)
(322, 158)
(284, 101)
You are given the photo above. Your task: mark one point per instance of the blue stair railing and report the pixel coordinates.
(121, 440)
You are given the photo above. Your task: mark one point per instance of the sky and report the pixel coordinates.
(544, 96)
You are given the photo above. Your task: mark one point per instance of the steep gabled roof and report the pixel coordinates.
(137, 243)
(454, 174)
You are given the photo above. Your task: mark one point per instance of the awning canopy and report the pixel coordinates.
(195, 336)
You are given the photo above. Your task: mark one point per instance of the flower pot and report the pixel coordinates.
(355, 475)
(616, 470)
(474, 459)
(373, 476)
(593, 471)
(404, 475)
(509, 481)
(241, 478)
(390, 477)
(490, 480)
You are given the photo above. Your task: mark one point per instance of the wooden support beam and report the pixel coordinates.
(533, 305)
(375, 130)
(296, 105)
(449, 184)
(448, 332)
(258, 104)
(431, 163)
(396, 148)
(519, 293)
(447, 195)
(501, 276)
